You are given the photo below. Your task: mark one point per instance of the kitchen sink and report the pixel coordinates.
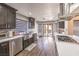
(65, 38)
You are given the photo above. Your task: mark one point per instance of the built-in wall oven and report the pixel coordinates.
(4, 49)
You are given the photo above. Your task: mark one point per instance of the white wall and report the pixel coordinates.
(66, 27)
(74, 7)
(36, 27)
(19, 16)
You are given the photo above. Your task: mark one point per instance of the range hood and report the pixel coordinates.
(64, 11)
(68, 17)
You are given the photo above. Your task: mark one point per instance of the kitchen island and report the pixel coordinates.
(67, 45)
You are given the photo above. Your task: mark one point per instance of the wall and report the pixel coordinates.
(19, 16)
(36, 27)
(74, 8)
(22, 17)
(71, 25)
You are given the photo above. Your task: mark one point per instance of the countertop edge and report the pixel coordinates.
(11, 38)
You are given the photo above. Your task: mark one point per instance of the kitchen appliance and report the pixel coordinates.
(16, 46)
(4, 49)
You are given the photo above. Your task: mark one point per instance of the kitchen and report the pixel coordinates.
(47, 32)
(13, 39)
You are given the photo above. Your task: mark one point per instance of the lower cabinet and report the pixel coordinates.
(15, 46)
(4, 49)
(27, 42)
(31, 40)
(11, 48)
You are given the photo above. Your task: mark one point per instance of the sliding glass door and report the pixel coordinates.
(45, 29)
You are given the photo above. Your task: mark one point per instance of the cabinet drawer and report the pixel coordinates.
(25, 43)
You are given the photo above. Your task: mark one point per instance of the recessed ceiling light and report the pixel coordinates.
(30, 13)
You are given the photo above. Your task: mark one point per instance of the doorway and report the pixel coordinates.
(45, 30)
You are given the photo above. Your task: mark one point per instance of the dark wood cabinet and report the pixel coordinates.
(31, 40)
(27, 42)
(7, 17)
(35, 37)
(31, 22)
(11, 19)
(3, 16)
(4, 49)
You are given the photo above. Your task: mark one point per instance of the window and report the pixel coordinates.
(61, 24)
(21, 25)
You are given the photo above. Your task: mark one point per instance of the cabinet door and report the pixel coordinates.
(31, 22)
(7, 17)
(25, 43)
(11, 19)
(31, 40)
(3, 17)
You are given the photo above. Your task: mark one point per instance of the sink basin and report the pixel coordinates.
(65, 38)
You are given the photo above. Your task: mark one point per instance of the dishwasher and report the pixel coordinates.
(16, 46)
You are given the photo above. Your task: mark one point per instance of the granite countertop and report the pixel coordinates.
(4, 39)
(27, 35)
(70, 38)
(66, 39)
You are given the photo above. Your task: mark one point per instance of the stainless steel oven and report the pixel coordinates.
(4, 49)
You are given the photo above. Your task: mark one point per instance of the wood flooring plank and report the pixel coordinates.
(46, 46)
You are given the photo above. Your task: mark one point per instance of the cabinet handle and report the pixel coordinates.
(13, 43)
(6, 25)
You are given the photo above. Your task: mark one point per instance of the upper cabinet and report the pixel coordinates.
(7, 17)
(31, 22)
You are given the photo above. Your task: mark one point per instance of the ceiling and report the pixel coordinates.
(41, 11)
(76, 10)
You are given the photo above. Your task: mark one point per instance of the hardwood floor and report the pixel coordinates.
(45, 47)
